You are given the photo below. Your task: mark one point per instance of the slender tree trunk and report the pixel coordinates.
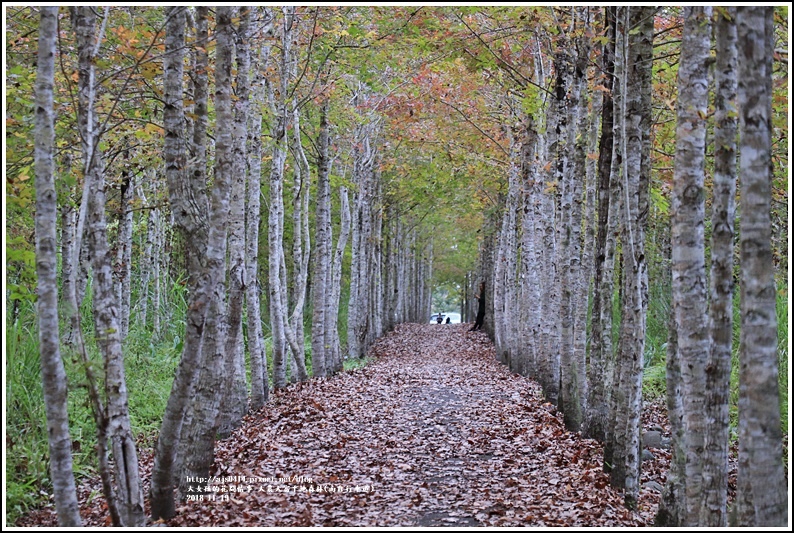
(190, 209)
(124, 262)
(596, 417)
(322, 263)
(199, 440)
(612, 370)
(53, 374)
(510, 300)
(278, 304)
(148, 259)
(584, 208)
(673, 504)
(636, 181)
(689, 267)
(301, 253)
(358, 320)
(713, 506)
(549, 370)
(530, 287)
(128, 490)
(234, 402)
(761, 493)
(158, 264)
(68, 227)
(256, 342)
(332, 315)
(573, 362)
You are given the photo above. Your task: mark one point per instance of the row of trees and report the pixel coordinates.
(206, 204)
(381, 147)
(567, 222)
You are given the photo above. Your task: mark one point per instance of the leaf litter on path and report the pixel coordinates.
(434, 432)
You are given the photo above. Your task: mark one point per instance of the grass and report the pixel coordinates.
(654, 382)
(26, 434)
(149, 364)
(783, 352)
(353, 364)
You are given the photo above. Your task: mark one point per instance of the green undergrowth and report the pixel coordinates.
(353, 364)
(654, 377)
(151, 359)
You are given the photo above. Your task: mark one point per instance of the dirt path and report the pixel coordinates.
(434, 432)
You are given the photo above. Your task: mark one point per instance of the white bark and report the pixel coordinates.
(149, 259)
(68, 227)
(762, 495)
(128, 490)
(331, 318)
(234, 402)
(300, 252)
(256, 342)
(612, 371)
(597, 410)
(124, 250)
(358, 306)
(713, 507)
(689, 266)
(321, 338)
(53, 374)
(190, 211)
(198, 439)
(636, 123)
(278, 296)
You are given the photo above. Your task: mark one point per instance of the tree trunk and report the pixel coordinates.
(199, 438)
(612, 371)
(530, 287)
(332, 315)
(68, 227)
(190, 210)
(511, 348)
(128, 490)
(713, 506)
(673, 503)
(234, 401)
(761, 493)
(278, 303)
(573, 170)
(584, 208)
(358, 306)
(256, 342)
(300, 253)
(124, 262)
(157, 265)
(53, 374)
(549, 371)
(689, 267)
(597, 413)
(322, 263)
(149, 257)
(636, 181)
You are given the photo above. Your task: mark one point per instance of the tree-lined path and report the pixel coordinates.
(214, 213)
(433, 432)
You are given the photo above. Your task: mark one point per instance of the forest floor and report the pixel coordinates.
(434, 432)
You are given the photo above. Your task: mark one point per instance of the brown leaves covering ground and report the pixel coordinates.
(434, 432)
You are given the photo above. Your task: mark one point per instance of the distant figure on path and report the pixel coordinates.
(439, 319)
(449, 320)
(480, 308)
